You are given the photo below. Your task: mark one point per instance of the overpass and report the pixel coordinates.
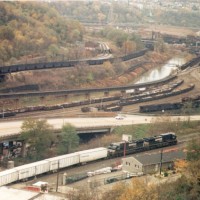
(10, 131)
(10, 137)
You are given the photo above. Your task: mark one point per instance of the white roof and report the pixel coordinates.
(39, 183)
(31, 164)
(8, 171)
(7, 193)
(92, 150)
(49, 197)
(62, 157)
(13, 194)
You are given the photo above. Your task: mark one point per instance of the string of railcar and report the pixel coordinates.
(66, 64)
(116, 149)
(137, 97)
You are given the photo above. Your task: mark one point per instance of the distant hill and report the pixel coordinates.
(34, 28)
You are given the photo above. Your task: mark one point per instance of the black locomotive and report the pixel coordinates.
(144, 144)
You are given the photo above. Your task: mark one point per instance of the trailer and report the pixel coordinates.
(69, 160)
(8, 176)
(32, 169)
(63, 161)
(93, 154)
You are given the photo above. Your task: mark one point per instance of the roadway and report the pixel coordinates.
(8, 128)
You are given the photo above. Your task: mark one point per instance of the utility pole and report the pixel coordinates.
(3, 112)
(161, 157)
(124, 148)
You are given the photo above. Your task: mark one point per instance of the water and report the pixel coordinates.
(161, 72)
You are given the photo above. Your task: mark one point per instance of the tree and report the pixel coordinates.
(38, 134)
(193, 150)
(68, 139)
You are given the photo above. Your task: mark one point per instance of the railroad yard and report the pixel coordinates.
(104, 106)
(188, 77)
(99, 182)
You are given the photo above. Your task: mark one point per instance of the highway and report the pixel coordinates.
(14, 127)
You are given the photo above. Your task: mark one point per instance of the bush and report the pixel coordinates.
(165, 174)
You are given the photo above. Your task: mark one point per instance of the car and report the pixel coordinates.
(119, 117)
(112, 180)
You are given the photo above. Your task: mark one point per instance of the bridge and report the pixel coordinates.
(10, 131)
(11, 136)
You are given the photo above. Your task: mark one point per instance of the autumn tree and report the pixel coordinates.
(38, 135)
(193, 150)
(68, 139)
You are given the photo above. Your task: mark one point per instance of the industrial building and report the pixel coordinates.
(149, 163)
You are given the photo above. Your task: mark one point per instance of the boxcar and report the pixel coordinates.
(63, 161)
(8, 176)
(32, 169)
(93, 154)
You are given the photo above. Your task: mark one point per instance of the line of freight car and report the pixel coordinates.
(72, 63)
(77, 91)
(27, 171)
(191, 63)
(21, 88)
(156, 91)
(155, 97)
(139, 99)
(190, 99)
(160, 107)
(167, 106)
(123, 102)
(106, 108)
(9, 113)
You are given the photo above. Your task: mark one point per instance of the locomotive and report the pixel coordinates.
(144, 144)
(27, 171)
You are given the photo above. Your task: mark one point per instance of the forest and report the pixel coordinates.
(32, 28)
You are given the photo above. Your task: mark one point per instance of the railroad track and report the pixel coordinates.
(66, 64)
(52, 178)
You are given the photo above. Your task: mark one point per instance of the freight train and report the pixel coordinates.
(116, 106)
(27, 171)
(160, 107)
(194, 103)
(145, 144)
(66, 64)
(167, 106)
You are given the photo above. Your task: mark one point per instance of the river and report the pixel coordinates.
(163, 71)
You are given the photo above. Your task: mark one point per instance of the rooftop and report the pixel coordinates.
(154, 158)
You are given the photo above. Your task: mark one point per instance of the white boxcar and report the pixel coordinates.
(64, 161)
(53, 163)
(41, 167)
(8, 176)
(92, 154)
(32, 169)
(69, 160)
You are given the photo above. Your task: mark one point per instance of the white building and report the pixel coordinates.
(150, 163)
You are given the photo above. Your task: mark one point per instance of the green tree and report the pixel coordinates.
(68, 139)
(38, 134)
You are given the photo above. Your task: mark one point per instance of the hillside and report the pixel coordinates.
(34, 28)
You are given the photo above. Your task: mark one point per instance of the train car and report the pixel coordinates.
(32, 169)
(93, 154)
(144, 144)
(63, 161)
(25, 172)
(160, 107)
(8, 176)
(113, 108)
(7, 114)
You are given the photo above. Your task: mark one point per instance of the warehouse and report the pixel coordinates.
(150, 162)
